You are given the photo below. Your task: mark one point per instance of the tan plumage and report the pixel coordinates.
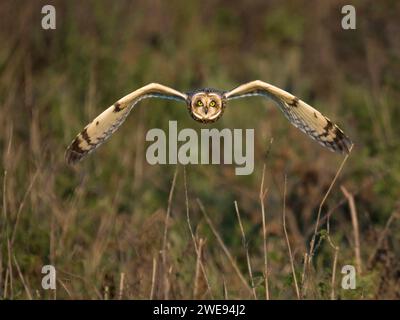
(104, 125)
(207, 105)
(300, 114)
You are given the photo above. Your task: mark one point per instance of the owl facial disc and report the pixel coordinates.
(206, 106)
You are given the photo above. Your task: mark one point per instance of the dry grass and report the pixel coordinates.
(117, 228)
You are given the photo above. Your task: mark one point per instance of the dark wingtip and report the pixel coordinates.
(348, 146)
(72, 157)
(74, 153)
(342, 142)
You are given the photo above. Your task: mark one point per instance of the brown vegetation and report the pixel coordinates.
(116, 227)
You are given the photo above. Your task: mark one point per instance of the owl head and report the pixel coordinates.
(206, 105)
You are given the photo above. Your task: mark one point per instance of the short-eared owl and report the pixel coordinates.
(207, 105)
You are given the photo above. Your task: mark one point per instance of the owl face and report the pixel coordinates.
(206, 106)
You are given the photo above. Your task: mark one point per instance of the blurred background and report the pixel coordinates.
(103, 224)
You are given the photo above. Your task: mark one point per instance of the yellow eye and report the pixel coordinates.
(212, 103)
(199, 103)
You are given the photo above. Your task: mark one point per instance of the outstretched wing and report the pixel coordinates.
(300, 114)
(105, 124)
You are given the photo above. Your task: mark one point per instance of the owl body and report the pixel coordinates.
(207, 105)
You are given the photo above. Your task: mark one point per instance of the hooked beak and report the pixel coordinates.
(205, 109)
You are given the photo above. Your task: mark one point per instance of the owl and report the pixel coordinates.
(206, 106)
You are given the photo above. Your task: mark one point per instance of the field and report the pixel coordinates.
(116, 227)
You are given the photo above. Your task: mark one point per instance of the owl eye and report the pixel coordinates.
(212, 103)
(199, 103)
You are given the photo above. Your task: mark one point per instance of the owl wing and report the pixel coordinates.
(105, 124)
(300, 114)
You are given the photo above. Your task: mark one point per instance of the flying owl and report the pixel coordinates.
(206, 106)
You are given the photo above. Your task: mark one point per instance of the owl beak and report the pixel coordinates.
(205, 110)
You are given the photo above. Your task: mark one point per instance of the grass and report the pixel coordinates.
(116, 227)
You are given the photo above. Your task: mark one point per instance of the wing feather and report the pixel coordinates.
(105, 124)
(300, 114)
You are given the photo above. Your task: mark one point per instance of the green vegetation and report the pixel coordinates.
(105, 219)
